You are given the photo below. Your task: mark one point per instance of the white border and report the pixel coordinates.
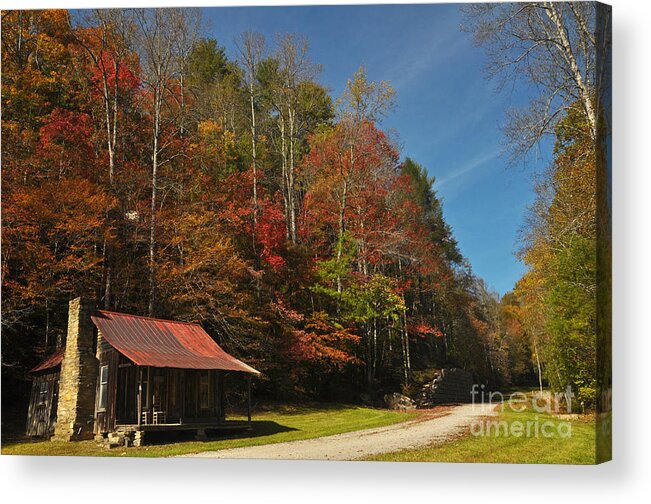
(34, 479)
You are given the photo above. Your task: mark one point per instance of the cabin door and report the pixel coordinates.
(159, 390)
(126, 394)
(174, 398)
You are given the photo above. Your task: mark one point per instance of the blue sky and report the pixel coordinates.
(447, 116)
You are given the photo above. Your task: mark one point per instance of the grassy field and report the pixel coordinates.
(283, 424)
(577, 448)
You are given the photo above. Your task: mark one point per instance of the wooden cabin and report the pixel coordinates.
(141, 375)
(42, 413)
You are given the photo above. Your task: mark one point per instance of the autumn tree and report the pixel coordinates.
(288, 81)
(159, 35)
(251, 47)
(140, 164)
(556, 47)
(559, 247)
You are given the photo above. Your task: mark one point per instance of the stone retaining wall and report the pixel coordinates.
(449, 386)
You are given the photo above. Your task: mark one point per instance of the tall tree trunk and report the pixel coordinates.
(47, 325)
(535, 349)
(369, 356)
(154, 195)
(108, 281)
(251, 47)
(374, 347)
(342, 210)
(254, 157)
(408, 352)
(342, 229)
(111, 108)
(291, 182)
(283, 155)
(585, 94)
(403, 332)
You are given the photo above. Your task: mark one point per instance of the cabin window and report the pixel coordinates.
(42, 393)
(103, 387)
(204, 390)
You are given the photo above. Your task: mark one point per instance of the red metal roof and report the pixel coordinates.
(164, 343)
(52, 361)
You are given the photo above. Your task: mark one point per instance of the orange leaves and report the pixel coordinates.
(200, 270)
(72, 206)
(349, 174)
(232, 196)
(369, 257)
(35, 38)
(325, 342)
(51, 235)
(286, 312)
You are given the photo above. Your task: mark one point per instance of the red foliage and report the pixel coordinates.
(271, 233)
(105, 67)
(422, 330)
(215, 259)
(351, 173)
(231, 197)
(66, 126)
(286, 312)
(66, 143)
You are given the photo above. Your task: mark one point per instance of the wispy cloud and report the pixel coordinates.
(437, 44)
(467, 168)
(431, 55)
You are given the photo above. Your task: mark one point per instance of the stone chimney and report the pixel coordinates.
(78, 379)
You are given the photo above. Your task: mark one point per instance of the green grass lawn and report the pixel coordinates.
(283, 424)
(577, 448)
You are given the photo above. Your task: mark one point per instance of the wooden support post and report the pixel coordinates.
(215, 381)
(248, 406)
(222, 394)
(166, 386)
(182, 386)
(148, 396)
(196, 382)
(139, 396)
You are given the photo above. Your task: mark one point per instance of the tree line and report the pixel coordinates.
(144, 168)
(562, 303)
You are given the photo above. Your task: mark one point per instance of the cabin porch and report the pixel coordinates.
(137, 434)
(141, 399)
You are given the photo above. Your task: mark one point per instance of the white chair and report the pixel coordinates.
(158, 414)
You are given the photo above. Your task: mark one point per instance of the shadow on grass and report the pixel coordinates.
(259, 428)
(19, 439)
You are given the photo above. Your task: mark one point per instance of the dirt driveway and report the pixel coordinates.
(433, 427)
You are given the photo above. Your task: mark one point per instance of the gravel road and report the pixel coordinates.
(434, 427)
